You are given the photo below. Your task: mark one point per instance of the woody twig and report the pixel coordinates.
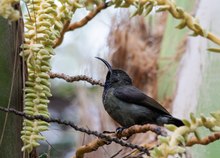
(81, 23)
(75, 78)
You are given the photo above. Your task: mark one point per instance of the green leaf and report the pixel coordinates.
(170, 127)
(186, 122)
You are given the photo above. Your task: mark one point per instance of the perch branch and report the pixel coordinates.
(95, 144)
(209, 139)
(142, 129)
(72, 125)
(75, 78)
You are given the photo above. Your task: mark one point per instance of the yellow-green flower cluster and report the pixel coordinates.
(90, 4)
(7, 11)
(37, 50)
(43, 25)
(65, 12)
(175, 143)
(144, 7)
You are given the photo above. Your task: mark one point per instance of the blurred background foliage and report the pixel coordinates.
(164, 62)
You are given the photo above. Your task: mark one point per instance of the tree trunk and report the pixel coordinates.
(11, 83)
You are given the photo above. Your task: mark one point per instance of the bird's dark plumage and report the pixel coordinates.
(128, 106)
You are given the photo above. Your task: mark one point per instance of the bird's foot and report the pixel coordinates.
(108, 133)
(119, 131)
(125, 138)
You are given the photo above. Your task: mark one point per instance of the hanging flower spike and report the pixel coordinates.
(7, 10)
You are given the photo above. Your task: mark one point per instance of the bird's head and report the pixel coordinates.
(115, 77)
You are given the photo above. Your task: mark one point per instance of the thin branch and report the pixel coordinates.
(75, 78)
(70, 124)
(204, 141)
(84, 21)
(142, 129)
(89, 17)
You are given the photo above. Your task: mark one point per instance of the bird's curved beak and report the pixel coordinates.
(106, 63)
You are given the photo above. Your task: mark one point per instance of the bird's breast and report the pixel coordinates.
(110, 101)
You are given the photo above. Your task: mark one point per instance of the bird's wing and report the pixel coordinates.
(133, 95)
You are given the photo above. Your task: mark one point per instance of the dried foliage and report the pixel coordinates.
(135, 47)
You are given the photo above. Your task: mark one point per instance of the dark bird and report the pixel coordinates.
(128, 105)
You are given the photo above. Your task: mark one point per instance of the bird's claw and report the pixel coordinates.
(125, 138)
(119, 131)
